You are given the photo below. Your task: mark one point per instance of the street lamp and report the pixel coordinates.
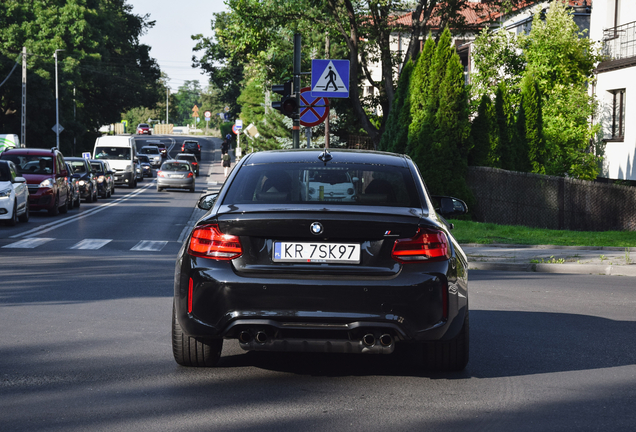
(57, 109)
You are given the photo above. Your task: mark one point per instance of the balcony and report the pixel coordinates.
(620, 42)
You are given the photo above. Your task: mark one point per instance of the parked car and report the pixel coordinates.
(104, 177)
(143, 129)
(74, 187)
(45, 172)
(86, 178)
(144, 162)
(153, 154)
(194, 162)
(280, 271)
(191, 146)
(14, 194)
(175, 174)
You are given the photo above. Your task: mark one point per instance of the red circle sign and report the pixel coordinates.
(235, 130)
(313, 110)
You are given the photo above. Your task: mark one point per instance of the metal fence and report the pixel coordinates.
(534, 200)
(620, 42)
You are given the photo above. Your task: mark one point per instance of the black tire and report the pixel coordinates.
(159, 189)
(193, 352)
(77, 202)
(192, 190)
(133, 183)
(448, 356)
(14, 218)
(24, 217)
(56, 207)
(64, 208)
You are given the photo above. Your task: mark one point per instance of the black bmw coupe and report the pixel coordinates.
(323, 251)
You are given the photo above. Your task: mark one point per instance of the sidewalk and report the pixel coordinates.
(552, 259)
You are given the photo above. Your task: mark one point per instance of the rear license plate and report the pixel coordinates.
(345, 253)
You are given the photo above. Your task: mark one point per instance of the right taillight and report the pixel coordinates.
(208, 241)
(427, 245)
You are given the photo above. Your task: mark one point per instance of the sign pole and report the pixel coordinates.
(296, 124)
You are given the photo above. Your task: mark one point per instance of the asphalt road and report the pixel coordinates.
(85, 345)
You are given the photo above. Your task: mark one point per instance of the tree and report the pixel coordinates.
(395, 136)
(483, 135)
(505, 149)
(419, 88)
(187, 96)
(103, 70)
(533, 114)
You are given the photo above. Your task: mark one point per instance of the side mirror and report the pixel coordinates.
(19, 180)
(206, 202)
(450, 206)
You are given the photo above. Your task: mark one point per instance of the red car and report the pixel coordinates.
(143, 129)
(46, 174)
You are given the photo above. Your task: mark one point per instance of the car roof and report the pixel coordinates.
(31, 151)
(337, 156)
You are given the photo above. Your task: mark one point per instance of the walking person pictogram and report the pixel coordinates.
(331, 76)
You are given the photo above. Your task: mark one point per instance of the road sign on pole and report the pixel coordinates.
(313, 110)
(330, 78)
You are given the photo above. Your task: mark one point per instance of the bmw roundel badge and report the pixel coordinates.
(316, 228)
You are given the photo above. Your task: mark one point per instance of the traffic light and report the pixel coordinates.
(288, 105)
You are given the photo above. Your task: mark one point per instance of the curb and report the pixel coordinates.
(610, 270)
(522, 246)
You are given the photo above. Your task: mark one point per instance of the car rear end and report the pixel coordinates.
(175, 175)
(280, 269)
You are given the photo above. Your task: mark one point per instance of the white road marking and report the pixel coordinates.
(28, 243)
(92, 244)
(147, 245)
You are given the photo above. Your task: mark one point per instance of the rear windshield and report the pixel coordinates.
(171, 166)
(149, 150)
(78, 167)
(97, 167)
(113, 153)
(31, 164)
(356, 184)
(142, 158)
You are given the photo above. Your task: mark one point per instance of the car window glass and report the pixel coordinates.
(116, 153)
(352, 184)
(5, 174)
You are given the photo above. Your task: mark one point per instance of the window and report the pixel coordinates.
(617, 126)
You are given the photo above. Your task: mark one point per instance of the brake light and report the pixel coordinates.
(160, 174)
(190, 174)
(427, 245)
(208, 241)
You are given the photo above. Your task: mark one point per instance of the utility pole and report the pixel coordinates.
(57, 106)
(167, 101)
(24, 83)
(296, 118)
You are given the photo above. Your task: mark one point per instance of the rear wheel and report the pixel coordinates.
(64, 208)
(77, 202)
(159, 189)
(451, 355)
(133, 183)
(196, 352)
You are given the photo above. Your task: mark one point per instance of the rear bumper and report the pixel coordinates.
(175, 183)
(326, 315)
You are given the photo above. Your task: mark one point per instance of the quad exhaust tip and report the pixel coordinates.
(261, 337)
(386, 340)
(245, 337)
(368, 340)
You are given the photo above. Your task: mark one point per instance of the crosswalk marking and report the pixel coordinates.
(28, 243)
(147, 245)
(92, 244)
(86, 244)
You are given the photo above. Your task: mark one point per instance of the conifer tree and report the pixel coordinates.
(447, 165)
(505, 151)
(418, 91)
(531, 96)
(395, 136)
(521, 141)
(482, 134)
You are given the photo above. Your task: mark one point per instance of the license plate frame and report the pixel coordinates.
(316, 252)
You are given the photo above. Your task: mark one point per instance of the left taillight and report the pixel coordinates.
(208, 241)
(426, 246)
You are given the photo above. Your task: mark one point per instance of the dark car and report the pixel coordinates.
(144, 162)
(87, 179)
(143, 129)
(45, 172)
(104, 177)
(162, 149)
(284, 261)
(193, 147)
(74, 188)
(194, 162)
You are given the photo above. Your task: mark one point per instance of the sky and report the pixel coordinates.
(170, 39)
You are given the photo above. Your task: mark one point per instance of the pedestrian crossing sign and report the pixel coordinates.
(330, 78)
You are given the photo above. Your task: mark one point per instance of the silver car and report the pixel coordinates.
(153, 153)
(175, 174)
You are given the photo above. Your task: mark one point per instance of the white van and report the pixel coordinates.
(121, 153)
(8, 141)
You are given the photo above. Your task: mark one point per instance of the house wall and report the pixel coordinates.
(620, 156)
